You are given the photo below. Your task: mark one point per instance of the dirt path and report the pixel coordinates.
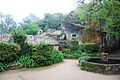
(68, 70)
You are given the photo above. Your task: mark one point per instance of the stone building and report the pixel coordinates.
(72, 30)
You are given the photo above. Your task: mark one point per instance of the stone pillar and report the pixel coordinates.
(104, 57)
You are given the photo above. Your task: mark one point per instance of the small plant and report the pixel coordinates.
(2, 67)
(26, 61)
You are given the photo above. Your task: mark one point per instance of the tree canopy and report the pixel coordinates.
(104, 14)
(7, 23)
(31, 23)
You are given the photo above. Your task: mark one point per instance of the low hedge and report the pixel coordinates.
(41, 52)
(89, 47)
(57, 56)
(78, 50)
(8, 52)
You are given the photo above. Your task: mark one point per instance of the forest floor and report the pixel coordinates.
(67, 70)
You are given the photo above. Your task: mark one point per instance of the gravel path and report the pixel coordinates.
(67, 70)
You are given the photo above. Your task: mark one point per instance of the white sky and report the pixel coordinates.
(21, 8)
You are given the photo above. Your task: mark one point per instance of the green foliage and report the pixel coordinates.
(2, 67)
(41, 52)
(67, 53)
(53, 20)
(89, 47)
(76, 51)
(106, 13)
(19, 37)
(8, 52)
(7, 23)
(41, 24)
(29, 24)
(57, 56)
(26, 61)
(82, 13)
(30, 28)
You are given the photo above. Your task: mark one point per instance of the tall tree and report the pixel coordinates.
(105, 13)
(29, 25)
(53, 20)
(7, 23)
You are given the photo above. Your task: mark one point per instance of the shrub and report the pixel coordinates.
(2, 67)
(89, 47)
(47, 63)
(19, 37)
(76, 51)
(73, 52)
(57, 56)
(67, 51)
(8, 52)
(74, 47)
(67, 54)
(42, 52)
(27, 48)
(95, 54)
(26, 61)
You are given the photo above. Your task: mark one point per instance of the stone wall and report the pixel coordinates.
(30, 38)
(71, 29)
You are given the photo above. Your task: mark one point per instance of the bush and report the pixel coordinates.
(26, 61)
(89, 47)
(47, 63)
(76, 51)
(57, 56)
(74, 54)
(2, 67)
(67, 54)
(8, 52)
(41, 52)
(27, 48)
(19, 37)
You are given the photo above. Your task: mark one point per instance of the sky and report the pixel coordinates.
(21, 8)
